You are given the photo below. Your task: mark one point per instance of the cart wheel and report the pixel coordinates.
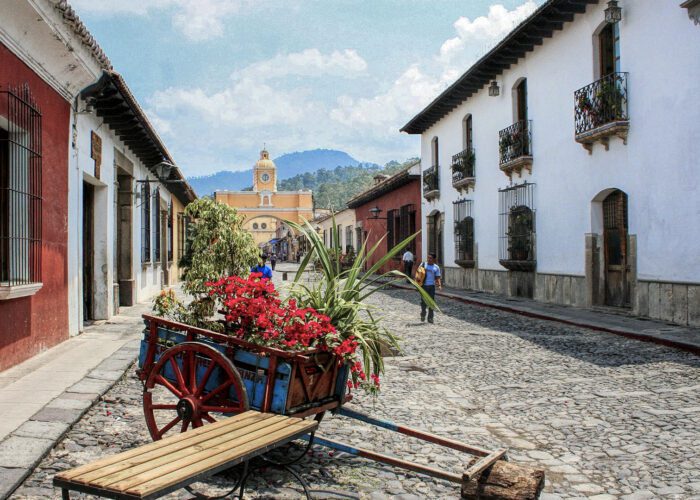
(190, 385)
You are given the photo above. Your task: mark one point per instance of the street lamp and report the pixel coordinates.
(163, 170)
(613, 13)
(375, 211)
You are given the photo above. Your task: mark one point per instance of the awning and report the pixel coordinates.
(274, 240)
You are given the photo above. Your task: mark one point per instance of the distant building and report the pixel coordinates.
(349, 234)
(563, 165)
(264, 207)
(391, 207)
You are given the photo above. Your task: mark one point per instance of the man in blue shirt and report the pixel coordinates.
(432, 278)
(262, 268)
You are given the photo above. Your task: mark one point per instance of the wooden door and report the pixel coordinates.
(88, 251)
(617, 267)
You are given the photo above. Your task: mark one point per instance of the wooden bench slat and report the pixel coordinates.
(258, 446)
(191, 436)
(145, 460)
(187, 457)
(158, 459)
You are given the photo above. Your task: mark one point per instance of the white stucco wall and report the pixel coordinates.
(658, 168)
(148, 276)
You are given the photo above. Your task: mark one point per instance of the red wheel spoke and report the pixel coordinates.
(197, 422)
(185, 423)
(164, 407)
(178, 375)
(222, 409)
(205, 378)
(208, 418)
(165, 383)
(193, 370)
(216, 391)
(165, 429)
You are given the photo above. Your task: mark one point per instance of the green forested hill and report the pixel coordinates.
(334, 187)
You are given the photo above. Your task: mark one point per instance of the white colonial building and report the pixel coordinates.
(126, 202)
(563, 165)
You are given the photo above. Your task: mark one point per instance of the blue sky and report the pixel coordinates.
(221, 77)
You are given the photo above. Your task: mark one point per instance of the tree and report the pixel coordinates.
(218, 245)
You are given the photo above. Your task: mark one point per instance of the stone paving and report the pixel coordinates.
(606, 417)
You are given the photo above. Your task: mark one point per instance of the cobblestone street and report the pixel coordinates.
(605, 416)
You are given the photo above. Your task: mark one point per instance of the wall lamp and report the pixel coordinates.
(375, 211)
(613, 13)
(493, 89)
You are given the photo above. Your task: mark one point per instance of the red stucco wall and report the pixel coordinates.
(32, 324)
(404, 195)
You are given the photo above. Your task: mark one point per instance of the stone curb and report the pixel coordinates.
(693, 348)
(27, 446)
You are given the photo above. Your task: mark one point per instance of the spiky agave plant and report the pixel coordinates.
(341, 293)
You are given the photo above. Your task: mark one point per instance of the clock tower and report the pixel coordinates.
(265, 174)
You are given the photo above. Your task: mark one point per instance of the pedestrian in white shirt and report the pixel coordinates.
(407, 262)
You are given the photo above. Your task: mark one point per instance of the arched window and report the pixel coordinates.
(467, 134)
(608, 50)
(520, 94)
(435, 151)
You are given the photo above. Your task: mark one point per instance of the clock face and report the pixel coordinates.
(265, 177)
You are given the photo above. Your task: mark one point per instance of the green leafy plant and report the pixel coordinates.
(218, 247)
(342, 293)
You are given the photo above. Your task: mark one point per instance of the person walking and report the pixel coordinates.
(273, 261)
(407, 262)
(432, 279)
(262, 268)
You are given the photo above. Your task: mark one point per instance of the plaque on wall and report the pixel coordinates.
(96, 152)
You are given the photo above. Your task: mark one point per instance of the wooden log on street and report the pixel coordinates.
(504, 481)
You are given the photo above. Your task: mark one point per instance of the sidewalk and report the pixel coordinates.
(43, 397)
(618, 323)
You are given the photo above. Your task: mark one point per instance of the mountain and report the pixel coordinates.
(288, 165)
(334, 187)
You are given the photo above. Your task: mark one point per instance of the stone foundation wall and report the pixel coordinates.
(673, 302)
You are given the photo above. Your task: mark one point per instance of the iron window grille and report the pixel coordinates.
(181, 235)
(431, 185)
(170, 231)
(464, 233)
(515, 141)
(463, 164)
(156, 225)
(348, 240)
(20, 187)
(146, 222)
(601, 102)
(390, 230)
(517, 227)
(407, 225)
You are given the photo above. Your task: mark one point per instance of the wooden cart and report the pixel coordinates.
(194, 376)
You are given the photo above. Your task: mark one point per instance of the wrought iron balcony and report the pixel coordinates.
(463, 166)
(601, 111)
(515, 147)
(431, 184)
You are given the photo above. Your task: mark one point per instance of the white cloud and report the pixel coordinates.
(483, 31)
(198, 20)
(309, 63)
(285, 101)
(384, 113)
